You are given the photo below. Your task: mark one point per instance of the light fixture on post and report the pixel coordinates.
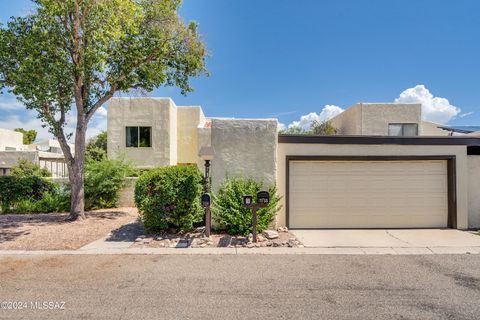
(207, 154)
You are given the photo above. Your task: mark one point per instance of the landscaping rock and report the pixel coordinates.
(270, 234)
(261, 238)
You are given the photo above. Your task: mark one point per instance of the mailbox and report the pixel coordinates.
(247, 200)
(206, 199)
(263, 198)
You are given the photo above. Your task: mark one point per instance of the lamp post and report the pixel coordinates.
(207, 154)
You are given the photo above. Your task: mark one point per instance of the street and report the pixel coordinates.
(241, 287)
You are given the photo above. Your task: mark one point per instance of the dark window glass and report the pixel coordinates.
(145, 137)
(132, 137)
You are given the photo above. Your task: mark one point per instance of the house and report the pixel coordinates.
(386, 169)
(47, 154)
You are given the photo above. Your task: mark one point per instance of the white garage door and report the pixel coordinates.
(368, 194)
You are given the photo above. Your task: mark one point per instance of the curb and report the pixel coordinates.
(252, 251)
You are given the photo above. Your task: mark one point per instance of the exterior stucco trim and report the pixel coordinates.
(451, 176)
(378, 140)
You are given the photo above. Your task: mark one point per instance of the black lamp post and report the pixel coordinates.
(207, 154)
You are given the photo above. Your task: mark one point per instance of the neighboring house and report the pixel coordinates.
(47, 154)
(386, 169)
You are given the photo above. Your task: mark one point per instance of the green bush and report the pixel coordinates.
(227, 207)
(14, 189)
(103, 181)
(169, 197)
(25, 168)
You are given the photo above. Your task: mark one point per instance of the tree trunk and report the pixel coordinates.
(77, 196)
(77, 171)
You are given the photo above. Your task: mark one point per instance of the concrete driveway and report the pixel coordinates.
(388, 238)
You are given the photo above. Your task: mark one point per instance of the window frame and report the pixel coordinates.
(403, 124)
(138, 136)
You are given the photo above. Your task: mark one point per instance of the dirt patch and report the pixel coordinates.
(53, 232)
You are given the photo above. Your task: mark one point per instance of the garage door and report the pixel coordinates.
(368, 194)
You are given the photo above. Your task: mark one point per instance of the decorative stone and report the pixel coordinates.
(261, 238)
(270, 234)
(250, 245)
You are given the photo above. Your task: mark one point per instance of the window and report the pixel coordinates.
(403, 129)
(138, 137)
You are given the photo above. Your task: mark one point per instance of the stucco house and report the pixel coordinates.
(46, 153)
(386, 169)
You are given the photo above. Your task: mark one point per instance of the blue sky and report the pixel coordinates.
(287, 59)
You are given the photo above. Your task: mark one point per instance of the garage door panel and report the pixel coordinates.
(368, 194)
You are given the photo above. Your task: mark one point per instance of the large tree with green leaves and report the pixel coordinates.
(29, 136)
(74, 55)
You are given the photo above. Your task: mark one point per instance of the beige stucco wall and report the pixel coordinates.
(158, 113)
(373, 118)
(10, 139)
(349, 122)
(244, 147)
(431, 129)
(474, 191)
(377, 116)
(188, 120)
(460, 152)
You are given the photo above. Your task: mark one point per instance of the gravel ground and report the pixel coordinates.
(51, 231)
(244, 287)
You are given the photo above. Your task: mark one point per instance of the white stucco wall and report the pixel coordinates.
(158, 113)
(10, 139)
(474, 191)
(460, 152)
(244, 147)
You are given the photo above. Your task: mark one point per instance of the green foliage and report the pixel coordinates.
(227, 206)
(29, 136)
(97, 48)
(169, 197)
(318, 128)
(15, 189)
(96, 149)
(323, 128)
(25, 168)
(103, 181)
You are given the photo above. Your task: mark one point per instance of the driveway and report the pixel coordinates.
(388, 238)
(244, 287)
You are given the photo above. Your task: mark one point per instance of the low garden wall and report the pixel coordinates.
(126, 195)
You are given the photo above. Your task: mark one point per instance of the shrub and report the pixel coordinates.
(227, 207)
(14, 189)
(169, 197)
(26, 168)
(103, 181)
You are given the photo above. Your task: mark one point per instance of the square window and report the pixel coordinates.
(403, 129)
(394, 129)
(410, 129)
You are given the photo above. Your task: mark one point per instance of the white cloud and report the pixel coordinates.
(102, 112)
(281, 127)
(327, 113)
(11, 105)
(466, 114)
(435, 109)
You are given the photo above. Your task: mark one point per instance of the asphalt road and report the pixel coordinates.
(243, 287)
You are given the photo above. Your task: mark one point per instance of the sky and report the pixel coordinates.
(307, 60)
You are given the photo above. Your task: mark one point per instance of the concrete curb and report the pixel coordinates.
(254, 251)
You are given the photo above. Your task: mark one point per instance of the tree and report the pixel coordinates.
(316, 127)
(74, 55)
(97, 147)
(323, 128)
(29, 136)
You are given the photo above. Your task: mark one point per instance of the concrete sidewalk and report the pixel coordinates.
(388, 238)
